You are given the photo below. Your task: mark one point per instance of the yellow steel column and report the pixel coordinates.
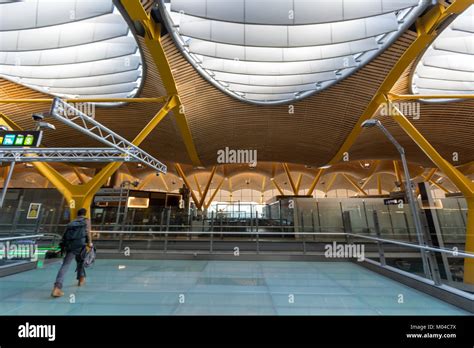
(277, 186)
(426, 28)
(354, 183)
(145, 181)
(136, 12)
(298, 183)
(214, 193)
(288, 174)
(180, 172)
(162, 178)
(331, 182)
(315, 182)
(379, 184)
(197, 185)
(79, 175)
(430, 174)
(469, 263)
(206, 188)
(463, 183)
(371, 174)
(398, 174)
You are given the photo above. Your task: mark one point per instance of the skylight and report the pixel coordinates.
(447, 66)
(276, 51)
(69, 48)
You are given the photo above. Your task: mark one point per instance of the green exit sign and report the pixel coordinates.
(20, 138)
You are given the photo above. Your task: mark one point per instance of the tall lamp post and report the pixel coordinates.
(408, 189)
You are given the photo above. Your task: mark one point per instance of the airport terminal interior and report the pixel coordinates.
(239, 157)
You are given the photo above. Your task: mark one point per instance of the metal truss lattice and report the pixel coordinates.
(64, 155)
(71, 116)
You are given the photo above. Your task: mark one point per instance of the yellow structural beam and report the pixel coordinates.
(79, 175)
(463, 183)
(354, 183)
(426, 28)
(80, 196)
(180, 172)
(379, 184)
(441, 187)
(198, 186)
(331, 182)
(392, 96)
(162, 178)
(290, 179)
(208, 184)
(315, 182)
(430, 174)
(398, 174)
(214, 193)
(298, 183)
(277, 186)
(145, 181)
(375, 166)
(136, 12)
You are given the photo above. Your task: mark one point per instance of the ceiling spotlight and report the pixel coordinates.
(3, 128)
(325, 167)
(37, 117)
(370, 123)
(139, 165)
(45, 125)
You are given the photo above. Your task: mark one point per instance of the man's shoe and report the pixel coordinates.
(82, 281)
(57, 292)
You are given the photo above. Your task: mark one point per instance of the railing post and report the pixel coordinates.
(379, 235)
(168, 216)
(256, 230)
(346, 219)
(432, 261)
(211, 245)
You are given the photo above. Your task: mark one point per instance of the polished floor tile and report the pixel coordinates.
(190, 287)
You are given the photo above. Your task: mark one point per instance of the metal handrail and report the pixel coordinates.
(22, 237)
(211, 233)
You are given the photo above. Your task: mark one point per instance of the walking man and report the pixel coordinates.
(76, 237)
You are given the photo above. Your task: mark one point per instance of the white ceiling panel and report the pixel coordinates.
(274, 51)
(69, 47)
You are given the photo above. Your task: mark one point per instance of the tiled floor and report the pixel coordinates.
(116, 287)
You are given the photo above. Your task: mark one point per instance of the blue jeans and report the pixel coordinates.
(70, 255)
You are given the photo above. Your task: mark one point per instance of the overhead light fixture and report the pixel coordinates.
(325, 167)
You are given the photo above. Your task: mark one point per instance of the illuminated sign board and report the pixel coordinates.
(20, 138)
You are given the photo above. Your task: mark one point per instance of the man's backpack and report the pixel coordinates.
(74, 237)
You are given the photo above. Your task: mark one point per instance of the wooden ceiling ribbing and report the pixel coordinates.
(311, 135)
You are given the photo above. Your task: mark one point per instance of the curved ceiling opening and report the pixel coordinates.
(447, 66)
(278, 51)
(69, 48)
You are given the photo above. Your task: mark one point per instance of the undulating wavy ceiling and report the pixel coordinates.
(276, 51)
(447, 67)
(69, 48)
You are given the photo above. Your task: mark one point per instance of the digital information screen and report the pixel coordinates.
(20, 138)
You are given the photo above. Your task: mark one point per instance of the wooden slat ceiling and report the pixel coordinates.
(127, 120)
(449, 127)
(310, 136)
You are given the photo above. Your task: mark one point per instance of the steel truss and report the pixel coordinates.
(67, 114)
(65, 155)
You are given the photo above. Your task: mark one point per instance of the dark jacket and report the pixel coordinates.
(76, 235)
